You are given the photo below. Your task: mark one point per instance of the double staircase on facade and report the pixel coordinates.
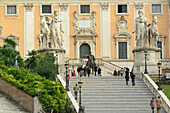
(106, 66)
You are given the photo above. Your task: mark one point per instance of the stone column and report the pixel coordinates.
(64, 13)
(105, 30)
(28, 28)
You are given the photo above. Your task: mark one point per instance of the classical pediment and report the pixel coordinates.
(13, 37)
(85, 32)
(125, 34)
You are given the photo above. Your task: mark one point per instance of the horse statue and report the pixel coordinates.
(45, 32)
(153, 33)
(91, 62)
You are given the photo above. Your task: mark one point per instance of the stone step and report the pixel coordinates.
(115, 100)
(114, 88)
(120, 111)
(126, 97)
(112, 95)
(117, 103)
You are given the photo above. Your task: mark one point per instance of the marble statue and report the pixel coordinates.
(16, 62)
(1, 27)
(56, 31)
(153, 33)
(93, 14)
(141, 24)
(76, 21)
(44, 37)
(122, 24)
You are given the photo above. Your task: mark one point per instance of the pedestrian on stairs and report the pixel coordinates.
(95, 70)
(88, 72)
(127, 75)
(99, 71)
(132, 77)
(159, 104)
(152, 104)
(76, 89)
(121, 72)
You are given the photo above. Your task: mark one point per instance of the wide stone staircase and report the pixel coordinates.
(9, 106)
(111, 95)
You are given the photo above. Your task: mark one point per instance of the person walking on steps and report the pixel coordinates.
(88, 72)
(159, 104)
(152, 104)
(132, 77)
(99, 71)
(76, 89)
(95, 70)
(127, 75)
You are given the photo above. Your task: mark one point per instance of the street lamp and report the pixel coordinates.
(159, 65)
(81, 108)
(67, 81)
(146, 72)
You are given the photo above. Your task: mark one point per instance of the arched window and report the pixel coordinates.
(84, 50)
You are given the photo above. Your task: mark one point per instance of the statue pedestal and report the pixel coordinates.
(60, 58)
(153, 57)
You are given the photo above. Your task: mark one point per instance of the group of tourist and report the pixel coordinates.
(126, 73)
(118, 73)
(158, 102)
(84, 70)
(132, 75)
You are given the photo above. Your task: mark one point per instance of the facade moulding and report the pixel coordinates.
(63, 6)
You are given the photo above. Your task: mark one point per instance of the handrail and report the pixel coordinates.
(98, 61)
(111, 63)
(71, 97)
(154, 89)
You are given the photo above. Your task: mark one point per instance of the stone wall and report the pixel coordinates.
(17, 95)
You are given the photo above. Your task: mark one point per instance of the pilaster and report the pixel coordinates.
(28, 28)
(105, 30)
(64, 13)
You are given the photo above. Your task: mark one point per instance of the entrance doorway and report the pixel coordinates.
(84, 50)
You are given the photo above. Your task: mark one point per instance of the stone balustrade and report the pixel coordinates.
(154, 89)
(69, 94)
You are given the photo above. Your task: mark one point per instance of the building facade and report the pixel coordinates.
(103, 27)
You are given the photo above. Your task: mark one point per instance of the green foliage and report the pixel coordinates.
(8, 54)
(32, 61)
(46, 69)
(10, 43)
(166, 90)
(43, 64)
(51, 94)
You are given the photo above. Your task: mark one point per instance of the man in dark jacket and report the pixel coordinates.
(132, 77)
(127, 75)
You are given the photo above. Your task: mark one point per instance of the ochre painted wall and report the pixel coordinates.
(13, 25)
(114, 28)
(97, 29)
(162, 23)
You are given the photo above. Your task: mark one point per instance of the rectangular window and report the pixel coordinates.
(160, 46)
(122, 8)
(46, 8)
(156, 8)
(84, 9)
(122, 50)
(11, 9)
